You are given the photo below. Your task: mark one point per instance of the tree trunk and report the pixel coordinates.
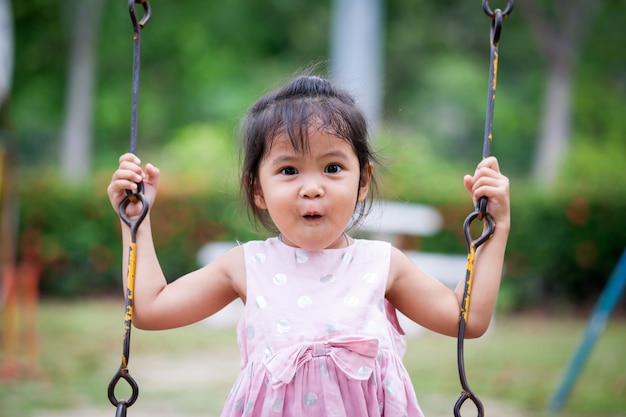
(356, 52)
(6, 50)
(555, 131)
(8, 214)
(76, 139)
(8, 202)
(558, 36)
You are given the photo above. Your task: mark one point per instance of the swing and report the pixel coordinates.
(496, 16)
(480, 213)
(122, 373)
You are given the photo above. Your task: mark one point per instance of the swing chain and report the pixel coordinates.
(138, 25)
(497, 16)
(480, 213)
(123, 373)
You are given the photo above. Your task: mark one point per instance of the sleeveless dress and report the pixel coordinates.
(317, 337)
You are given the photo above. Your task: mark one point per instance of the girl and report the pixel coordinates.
(319, 335)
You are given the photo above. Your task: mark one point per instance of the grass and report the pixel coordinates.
(519, 363)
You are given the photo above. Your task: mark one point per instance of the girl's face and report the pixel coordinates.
(311, 196)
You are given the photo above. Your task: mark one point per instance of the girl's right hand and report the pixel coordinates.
(126, 177)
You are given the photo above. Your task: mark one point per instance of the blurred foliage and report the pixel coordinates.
(79, 236)
(566, 249)
(204, 63)
(208, 61)
(561, 249)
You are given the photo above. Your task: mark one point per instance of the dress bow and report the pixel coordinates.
(355, 357)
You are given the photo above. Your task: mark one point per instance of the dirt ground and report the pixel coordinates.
(438, 406)
(154, 411)
(166, 391)
(444, 409)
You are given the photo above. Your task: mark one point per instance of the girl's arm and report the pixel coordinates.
(432, 305)
(197, 295)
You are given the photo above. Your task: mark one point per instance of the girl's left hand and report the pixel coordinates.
(489, 182)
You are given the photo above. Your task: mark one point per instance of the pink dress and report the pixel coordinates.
(317, 336)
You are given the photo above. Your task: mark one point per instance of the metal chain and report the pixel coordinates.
(123, 373)
(496, 16)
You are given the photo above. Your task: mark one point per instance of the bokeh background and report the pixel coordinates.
(418, 67)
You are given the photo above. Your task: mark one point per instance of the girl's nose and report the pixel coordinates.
(312, 188)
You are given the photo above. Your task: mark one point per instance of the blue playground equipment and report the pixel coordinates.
(608, 299)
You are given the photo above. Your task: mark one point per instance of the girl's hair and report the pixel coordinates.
(306, 101)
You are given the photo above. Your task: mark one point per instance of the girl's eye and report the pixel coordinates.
(333, 169)
(289, 171)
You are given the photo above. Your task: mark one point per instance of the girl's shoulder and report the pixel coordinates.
(372, 243)
(253, 247)
(376, 249)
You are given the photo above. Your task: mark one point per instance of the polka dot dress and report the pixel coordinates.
(317, 337)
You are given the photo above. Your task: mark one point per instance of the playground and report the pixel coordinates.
(58, 355)
(188, 372)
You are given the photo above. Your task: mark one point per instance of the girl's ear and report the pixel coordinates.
(259, 200)
(364, 183)
(253, 191)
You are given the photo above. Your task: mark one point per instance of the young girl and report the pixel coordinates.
(319, 334)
